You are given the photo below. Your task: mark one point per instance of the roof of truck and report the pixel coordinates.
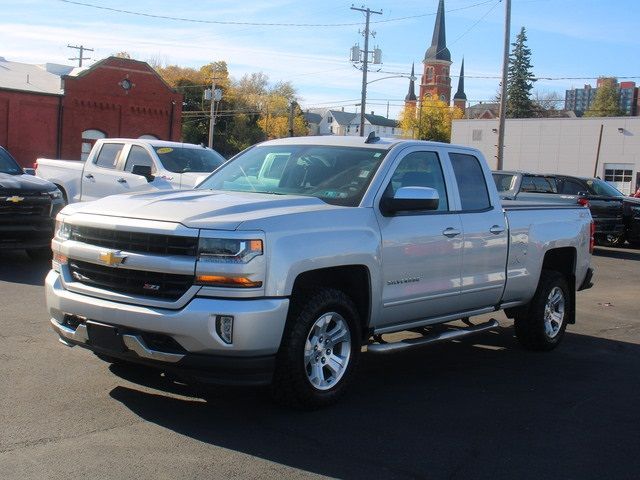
(154, 143)
(355, 141)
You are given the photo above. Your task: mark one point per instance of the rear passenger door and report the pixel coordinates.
(421, 250)
(484, 254)
(99, 178)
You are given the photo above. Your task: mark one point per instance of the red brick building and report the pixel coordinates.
(59, 111)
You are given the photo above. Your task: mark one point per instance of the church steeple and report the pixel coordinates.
(411, 96)
(460, 98)
(438, 49)
(436, 82)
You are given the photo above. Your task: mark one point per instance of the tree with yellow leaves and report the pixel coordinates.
(431, 120)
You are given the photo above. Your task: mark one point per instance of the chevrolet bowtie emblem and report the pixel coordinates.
(112, 258)
(15, 199)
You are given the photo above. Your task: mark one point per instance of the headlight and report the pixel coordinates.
(63, 230)
(54, 194)
(227, 250)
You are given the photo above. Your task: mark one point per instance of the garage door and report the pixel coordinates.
(620, 175)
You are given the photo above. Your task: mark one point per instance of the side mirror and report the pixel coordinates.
(410, 199)
(29, 171)
(144, 171)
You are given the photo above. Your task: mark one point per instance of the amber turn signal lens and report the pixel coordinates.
(223, 281)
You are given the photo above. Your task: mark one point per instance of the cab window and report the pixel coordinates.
(138, 156)
(420, 169)
(109, 154)
(471, 182)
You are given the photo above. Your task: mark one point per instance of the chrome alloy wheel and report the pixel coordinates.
(554, 312)
(327, 351)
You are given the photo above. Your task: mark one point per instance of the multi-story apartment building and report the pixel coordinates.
(580, 99)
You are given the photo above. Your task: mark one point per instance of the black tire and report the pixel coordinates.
(530, 325)
(609, 239)
(291, 384)
(43, 253)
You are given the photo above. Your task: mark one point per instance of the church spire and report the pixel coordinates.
(438, 49)
(460, 95)
(411, 96)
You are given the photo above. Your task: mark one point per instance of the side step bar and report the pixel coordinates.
(432, 338)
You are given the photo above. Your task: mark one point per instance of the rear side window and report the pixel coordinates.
(471, 182)
(138, 156)
(571, 187)
(539, 184)
(109, 154)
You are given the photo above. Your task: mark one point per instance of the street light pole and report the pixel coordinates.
(503, 91)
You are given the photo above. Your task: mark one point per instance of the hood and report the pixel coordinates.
(632, 201)
(199, 208)
(24, 183)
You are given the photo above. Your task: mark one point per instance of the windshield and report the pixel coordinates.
(600, 187)
(8, 164)
(182, 160)
(504, 181)
(336, 175)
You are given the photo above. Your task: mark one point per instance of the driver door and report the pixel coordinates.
(421, 251)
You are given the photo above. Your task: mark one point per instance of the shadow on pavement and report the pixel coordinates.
(623, 254)
(17, 267)
(482, 408)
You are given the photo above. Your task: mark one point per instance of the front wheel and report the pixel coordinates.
(319, 351)
(541, 325)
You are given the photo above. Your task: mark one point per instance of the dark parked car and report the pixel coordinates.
(28, 208)
(611, 210)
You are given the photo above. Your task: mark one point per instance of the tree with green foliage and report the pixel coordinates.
(607, 101)
(519, 80)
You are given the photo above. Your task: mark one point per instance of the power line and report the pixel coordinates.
(261, 24)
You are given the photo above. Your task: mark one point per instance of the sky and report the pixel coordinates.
(572, 41)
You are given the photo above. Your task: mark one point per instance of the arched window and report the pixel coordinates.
(429, 73)
(148, 136)
(89, 137)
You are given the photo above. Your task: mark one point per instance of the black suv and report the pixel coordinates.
(616, 216)
(28, 208)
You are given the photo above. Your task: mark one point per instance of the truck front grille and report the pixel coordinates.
(28, 206)
(135, 241)
(165, 286)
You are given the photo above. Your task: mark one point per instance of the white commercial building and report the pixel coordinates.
(561, 145)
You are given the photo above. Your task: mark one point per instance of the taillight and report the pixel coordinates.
(592, 240)
(583, 202)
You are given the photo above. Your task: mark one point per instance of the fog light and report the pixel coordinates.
(224, 328)
(57, 261)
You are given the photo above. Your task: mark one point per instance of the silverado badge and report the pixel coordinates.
(15, 199)
(112, 258)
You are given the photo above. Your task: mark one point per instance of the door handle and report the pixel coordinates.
(450, 232)
(89, 176)
(496, 229)
(121, 180)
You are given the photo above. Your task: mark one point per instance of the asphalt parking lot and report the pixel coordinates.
(480, 408)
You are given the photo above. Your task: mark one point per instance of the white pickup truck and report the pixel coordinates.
(290, 258)
(122, 165)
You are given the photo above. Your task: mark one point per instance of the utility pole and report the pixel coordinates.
(215, 95)
(81, 56)
(292, 113)
(365, 63)
(503, 91)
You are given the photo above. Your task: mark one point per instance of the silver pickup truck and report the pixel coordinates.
(293, 256)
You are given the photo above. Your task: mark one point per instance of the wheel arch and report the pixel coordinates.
(352, 280)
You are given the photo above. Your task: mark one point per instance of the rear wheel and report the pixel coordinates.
(541, 325)
(319, 351)
(609, 239)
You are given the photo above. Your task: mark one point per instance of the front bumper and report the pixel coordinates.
(196, 350)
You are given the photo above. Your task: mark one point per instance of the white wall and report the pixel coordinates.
(556, 145)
